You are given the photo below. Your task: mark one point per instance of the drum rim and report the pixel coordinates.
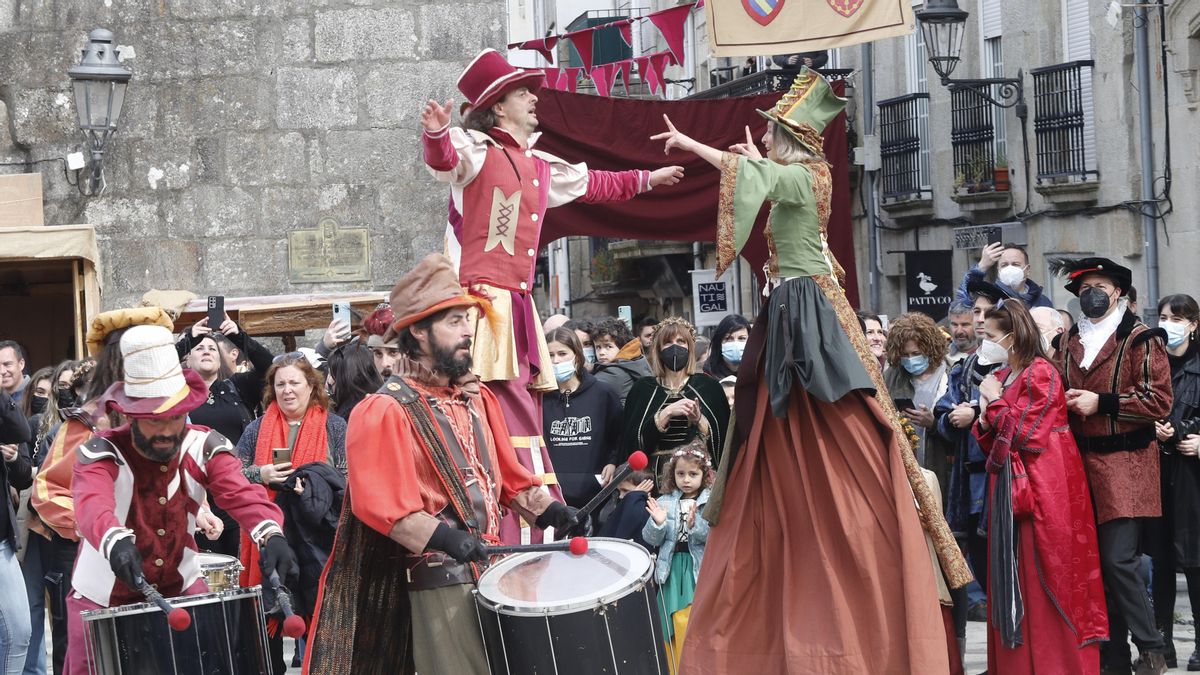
(636, 585)
(214, 558)
(181, 601)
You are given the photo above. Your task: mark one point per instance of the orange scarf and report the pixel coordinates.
(312, 445)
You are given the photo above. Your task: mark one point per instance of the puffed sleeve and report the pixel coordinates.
(383, 477)
(1039, 389)
(453, 155)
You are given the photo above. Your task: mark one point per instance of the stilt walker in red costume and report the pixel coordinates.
(502, 187)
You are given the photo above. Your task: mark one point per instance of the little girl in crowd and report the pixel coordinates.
(679, 531)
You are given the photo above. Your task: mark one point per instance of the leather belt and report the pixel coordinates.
(435, 570)
(1134, 440)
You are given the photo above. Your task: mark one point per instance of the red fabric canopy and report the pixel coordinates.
(614, 134)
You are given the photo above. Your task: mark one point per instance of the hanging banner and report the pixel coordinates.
(712, 299)
(930, 282)
(766, 27)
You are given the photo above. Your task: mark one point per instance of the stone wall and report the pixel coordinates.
(245, 119)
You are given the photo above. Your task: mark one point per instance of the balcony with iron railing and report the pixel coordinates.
(980, 177)
(763, 82)
(1062, 126)
(904, 153)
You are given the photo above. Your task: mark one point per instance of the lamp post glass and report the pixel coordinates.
(943, 25)
(99, 82)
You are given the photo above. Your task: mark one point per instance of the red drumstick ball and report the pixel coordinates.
(179, 620)
(293, 626)
(579, 545)
(637, 460)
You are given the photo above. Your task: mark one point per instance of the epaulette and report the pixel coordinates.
(1147, 335)
(215, 443)
(400, 390)
(97, 448)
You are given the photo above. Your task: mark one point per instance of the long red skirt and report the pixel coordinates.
(819, 563)
(1050, 648)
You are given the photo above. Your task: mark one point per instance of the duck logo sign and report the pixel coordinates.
(930, 282)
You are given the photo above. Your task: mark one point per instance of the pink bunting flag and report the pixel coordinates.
(602, 76)
(571, 79)
(658, 64)
(627, 31)
(552, 77)
(582, 39)
(699, 4)
(670, 23)
(543, 46)
(646, 73)
(626, 67)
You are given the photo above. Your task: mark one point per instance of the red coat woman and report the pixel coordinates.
(1046, 610)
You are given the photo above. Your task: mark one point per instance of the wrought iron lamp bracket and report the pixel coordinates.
(1010, 91)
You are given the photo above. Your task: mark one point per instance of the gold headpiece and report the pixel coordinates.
(677, 321)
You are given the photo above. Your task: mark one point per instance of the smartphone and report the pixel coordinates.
(995, 235)
(341, 312)
(903, 404)
(216, 312)
(281, 455)
(625, 313)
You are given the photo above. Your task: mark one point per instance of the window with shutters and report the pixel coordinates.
(916, 112)
(1064, 109)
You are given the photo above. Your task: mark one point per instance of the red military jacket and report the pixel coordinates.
(1132, 376)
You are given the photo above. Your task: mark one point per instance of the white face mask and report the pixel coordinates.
(1011, 276)
(990, 353)
(1177, 333)
(589, 354)
(1046, 346)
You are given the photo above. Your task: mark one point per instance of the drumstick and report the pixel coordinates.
(293, 626)
(577, 546)
(177, 617)
(637, 462)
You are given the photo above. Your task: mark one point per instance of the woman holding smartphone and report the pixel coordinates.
(297, 449)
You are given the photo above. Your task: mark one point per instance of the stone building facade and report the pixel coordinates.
(245, 119)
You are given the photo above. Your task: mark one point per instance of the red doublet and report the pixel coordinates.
(119, 492)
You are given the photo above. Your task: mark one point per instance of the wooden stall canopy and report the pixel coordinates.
(283, 316)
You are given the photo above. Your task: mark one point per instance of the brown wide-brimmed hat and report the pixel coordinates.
(429, 288)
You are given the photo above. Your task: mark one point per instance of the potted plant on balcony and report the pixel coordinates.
(977, 174)
(1000, 174)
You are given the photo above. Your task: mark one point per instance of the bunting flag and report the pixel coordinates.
(602, 76)
(543, 46)
(571, 79)
(552, 77)
(646, 73)
(764, 27)
(670, 23)
(582, 39)
(658, 64)
(626, 67)
(627, 32)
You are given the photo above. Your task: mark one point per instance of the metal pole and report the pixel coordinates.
(868, 99)
(1141, 50)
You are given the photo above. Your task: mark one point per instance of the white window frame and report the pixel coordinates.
(917, 79)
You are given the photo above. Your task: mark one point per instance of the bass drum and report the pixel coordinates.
(545, 613)
(228, 636)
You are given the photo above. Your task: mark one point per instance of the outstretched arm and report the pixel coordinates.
(675, 139)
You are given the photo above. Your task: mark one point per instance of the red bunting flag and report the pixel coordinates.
(626, 67)
(582, 39)
(658, 64)
(571, 79)
(627, 32)
(544, 46)
(602, 76)
(552, 77)
(647, 73)
(670, 23)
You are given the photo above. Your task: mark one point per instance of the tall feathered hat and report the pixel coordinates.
(806, 109)
(1074, 269)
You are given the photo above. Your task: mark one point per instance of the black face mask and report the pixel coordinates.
(674, 358)
(38, 404)
(1094, 303)
(66, 398)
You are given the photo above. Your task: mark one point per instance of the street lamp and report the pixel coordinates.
(943, 24)
(99, 82)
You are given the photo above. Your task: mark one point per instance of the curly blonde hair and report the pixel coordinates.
(921, 329)
(697, 453)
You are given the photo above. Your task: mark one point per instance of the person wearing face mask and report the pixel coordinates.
(1010, 264)
(1118, 381)
(677, 404)
(1050, 325)
(582, 422)
(1047, 612)
(916, 350)
(583, 330)
(1175, 538)
(728, 344)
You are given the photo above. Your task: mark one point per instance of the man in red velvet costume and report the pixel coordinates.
(502, 187)
(138, 488)
(431, 467)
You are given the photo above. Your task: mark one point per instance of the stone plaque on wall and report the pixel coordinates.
(329, 253)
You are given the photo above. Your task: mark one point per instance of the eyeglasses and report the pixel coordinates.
(289, 355)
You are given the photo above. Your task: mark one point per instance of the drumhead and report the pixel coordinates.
(183, 601)
(558, 582)
(216, 561)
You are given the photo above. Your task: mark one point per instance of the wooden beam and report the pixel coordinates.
(278, 316)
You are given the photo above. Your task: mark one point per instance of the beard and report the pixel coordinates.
(145, 445)
(446, 362)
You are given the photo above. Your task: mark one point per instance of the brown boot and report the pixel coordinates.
(1151, 663)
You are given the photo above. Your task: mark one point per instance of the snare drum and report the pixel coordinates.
(228, 636)
(220, 571)
(553, 612)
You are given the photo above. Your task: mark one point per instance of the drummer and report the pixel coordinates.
(138, 488)
(432, 465)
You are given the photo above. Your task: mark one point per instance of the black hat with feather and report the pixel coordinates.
(1074, 269)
